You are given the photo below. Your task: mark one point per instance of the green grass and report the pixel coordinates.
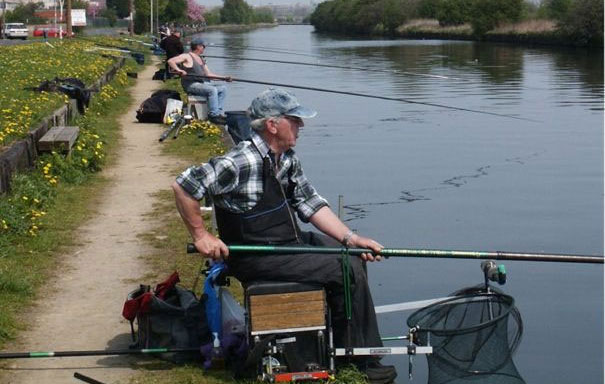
(21, 108)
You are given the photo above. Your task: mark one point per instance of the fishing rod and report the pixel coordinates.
(393, 71)
(364, 95)
(408, 252)
(98, 352)
(86, 379)
(285, 52)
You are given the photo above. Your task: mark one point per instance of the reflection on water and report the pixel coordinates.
(417, 176)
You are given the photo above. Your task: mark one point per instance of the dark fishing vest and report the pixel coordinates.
(270, 221)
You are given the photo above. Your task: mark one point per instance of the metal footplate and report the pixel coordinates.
(384, 351)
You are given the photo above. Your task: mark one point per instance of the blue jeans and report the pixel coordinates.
(215, 93)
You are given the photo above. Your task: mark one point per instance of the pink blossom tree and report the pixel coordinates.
(195, 12)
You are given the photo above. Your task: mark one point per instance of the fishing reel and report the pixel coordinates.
(493, 272)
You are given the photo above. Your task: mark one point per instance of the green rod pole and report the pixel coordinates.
(419, 253)
(101, 352)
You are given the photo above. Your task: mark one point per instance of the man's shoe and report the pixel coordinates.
(218, 119)
(378, 373)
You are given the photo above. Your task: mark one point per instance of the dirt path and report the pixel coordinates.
(83, 306)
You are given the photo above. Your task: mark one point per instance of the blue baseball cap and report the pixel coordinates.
(199, 41)
(277, 102)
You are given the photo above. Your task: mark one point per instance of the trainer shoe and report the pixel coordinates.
(218, 119)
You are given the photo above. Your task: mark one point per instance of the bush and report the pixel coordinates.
(262, 15)
(213, 17)
(584, 22)
(428, 9)
(488, 14)
(454, 12)
(381, 17)
(557, 9)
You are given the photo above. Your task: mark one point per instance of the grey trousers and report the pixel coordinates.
(324, 270)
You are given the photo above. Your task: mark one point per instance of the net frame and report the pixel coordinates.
(465, 359)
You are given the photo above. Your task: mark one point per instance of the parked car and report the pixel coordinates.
(50, 32)
(15, 31)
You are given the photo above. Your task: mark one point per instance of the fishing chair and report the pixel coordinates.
(288, 327)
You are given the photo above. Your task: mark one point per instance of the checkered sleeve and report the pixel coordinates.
(219, 175)
(305, 198)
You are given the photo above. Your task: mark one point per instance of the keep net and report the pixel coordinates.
(473, 335)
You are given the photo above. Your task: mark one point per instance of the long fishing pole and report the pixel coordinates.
(98, 352)
(408, 252)
(392, 71)
(364, 95)
(284, 52)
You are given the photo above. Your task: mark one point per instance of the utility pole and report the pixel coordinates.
(131, 23)
(68, 18)
(151, 17)
(3, 18)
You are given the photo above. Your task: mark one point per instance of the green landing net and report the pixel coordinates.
(473, 335)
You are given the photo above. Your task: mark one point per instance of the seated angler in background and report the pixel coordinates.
(195, 78)
(173, 47)
(258, 187)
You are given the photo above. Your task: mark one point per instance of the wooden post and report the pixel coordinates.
(68, 18)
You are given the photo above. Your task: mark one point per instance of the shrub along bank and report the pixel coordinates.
(575, 22)
(46, 204)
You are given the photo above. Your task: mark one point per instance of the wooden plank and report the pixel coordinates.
(287, 310)
(287, 321)
(58, 138)
(307, 306)
(281, 298)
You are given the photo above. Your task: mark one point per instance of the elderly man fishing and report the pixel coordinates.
(195, 79)
(257, 187)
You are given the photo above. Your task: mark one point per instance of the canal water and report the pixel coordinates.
(420, 176)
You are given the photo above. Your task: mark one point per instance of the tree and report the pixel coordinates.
(558, 9)
(120, 6)
(24, 13)
(195, 12)
(236, 12)
(584, 22)
(454, 12)
(175, 11)
(141, 16)
(488, 14)
(263, 15)
(110, 15)
(213, 17)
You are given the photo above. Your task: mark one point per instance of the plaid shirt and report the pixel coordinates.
(235, 180)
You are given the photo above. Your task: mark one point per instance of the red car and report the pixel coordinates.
(50, 32)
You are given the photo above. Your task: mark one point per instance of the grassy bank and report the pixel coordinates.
(539, 32)
(39, 217)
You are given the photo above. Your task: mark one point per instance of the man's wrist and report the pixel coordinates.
(346, 239)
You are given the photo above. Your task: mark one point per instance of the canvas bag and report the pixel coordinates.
(174, 319)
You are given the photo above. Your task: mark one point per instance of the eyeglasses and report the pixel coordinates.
(294, 119)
